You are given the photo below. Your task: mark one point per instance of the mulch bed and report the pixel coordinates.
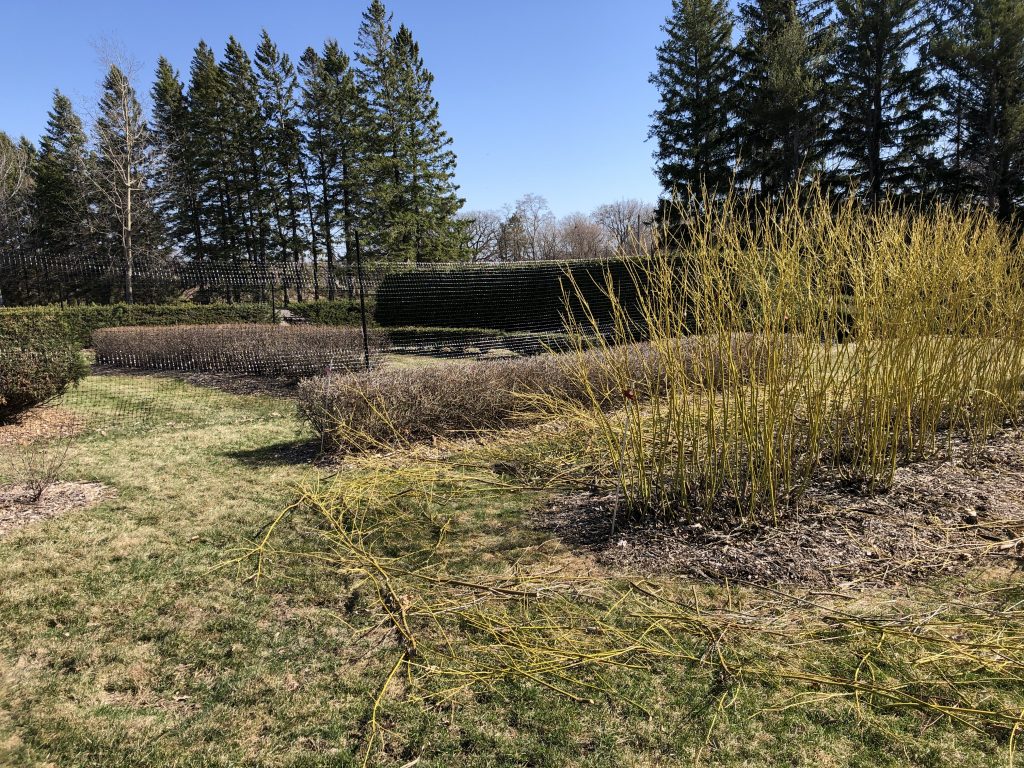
(42, 423)
(940, 517)
(17, 509)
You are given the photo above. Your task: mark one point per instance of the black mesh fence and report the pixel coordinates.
(193, 329)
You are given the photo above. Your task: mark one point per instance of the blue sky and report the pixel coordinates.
(544, 97)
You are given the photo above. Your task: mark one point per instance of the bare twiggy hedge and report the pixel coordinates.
(390, 407)
(243, 349)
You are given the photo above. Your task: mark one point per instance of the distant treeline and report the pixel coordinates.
(252, 161)
(922, 99)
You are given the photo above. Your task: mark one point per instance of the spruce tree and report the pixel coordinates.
(408, 201)
(176, 175)
(380, 164)
(696, 81)
(62, 190)
(982, 54)
(784, 96)
(885, 121)
(426, 221)
(281, 148)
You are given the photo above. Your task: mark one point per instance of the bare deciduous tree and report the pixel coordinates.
(538, 224)
(484, 229)
(627, 222)
(581, 237)
(123, 150)
(528, 231)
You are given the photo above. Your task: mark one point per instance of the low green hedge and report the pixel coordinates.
(338, 312)
(79, 321)
(508, 297)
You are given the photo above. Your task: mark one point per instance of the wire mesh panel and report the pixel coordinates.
(261, 329)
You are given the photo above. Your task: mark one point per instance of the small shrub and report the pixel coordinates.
(42, 463)
(254, 350)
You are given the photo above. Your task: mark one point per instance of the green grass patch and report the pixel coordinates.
(124, 645)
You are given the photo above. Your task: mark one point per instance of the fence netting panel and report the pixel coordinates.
(196, 329)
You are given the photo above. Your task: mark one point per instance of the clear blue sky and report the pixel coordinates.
(549, 97)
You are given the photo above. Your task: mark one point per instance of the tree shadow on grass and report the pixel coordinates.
(289, 452)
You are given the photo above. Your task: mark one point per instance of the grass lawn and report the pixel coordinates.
(124, 645)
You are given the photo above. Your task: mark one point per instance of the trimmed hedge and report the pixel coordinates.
(37, 367)
(338, 312)
(508, 297)
(259, 350)
(79, 321)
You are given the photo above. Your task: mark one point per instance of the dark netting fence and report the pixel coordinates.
(192, 329)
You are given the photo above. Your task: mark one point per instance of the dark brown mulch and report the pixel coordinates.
(17, 509)
(940, 517)
(233, 384)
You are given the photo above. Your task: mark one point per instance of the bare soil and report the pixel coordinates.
(939, 517)
(17, 508)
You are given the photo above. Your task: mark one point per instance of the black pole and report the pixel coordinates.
(273, 307)
(362, 302)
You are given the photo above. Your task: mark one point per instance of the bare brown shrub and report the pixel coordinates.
(390, 407)
(42, 463)
(245, 349)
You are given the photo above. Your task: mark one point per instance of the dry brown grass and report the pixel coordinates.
(247, 349)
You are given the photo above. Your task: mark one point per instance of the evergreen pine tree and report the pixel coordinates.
(244, 137)
(210, 160)
(62, 191)
(351, 111)
(176, 176)
(321, 157)
(885, 123)
(427, 201)
(696, 81)
(332, 108)
(982, 55)
(17, 164)
(281, 150)
(784, 96)
(378, 199)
